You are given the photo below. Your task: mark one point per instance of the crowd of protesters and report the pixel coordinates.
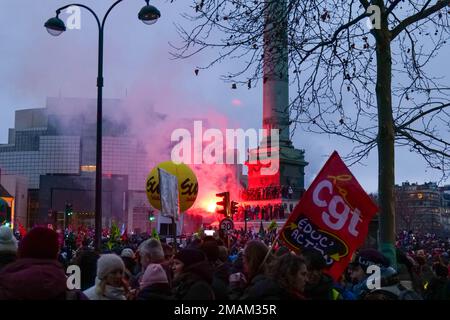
(247, 267)
(265, 212)
(268, 193)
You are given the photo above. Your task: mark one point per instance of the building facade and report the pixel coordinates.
(54, 148)
(422, 208)
(17, 187)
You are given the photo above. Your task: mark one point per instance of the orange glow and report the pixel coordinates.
(213, 179)
(211, 207)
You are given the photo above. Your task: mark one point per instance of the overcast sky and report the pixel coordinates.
(35, 65)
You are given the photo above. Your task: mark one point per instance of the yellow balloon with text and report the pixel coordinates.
(187, 185)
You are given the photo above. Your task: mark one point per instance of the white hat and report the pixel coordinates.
(8, 242)
(108, 263)
(127, 253)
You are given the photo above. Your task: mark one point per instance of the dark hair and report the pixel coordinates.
(209, 238)
(254, 253)
(284, 270)
(211, 249)
(314, 260)
(167, 249)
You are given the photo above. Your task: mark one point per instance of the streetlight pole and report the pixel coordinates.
(55, 26)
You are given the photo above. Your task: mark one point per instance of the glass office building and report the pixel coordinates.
(60, 140)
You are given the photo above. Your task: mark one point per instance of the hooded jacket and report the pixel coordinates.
(33, 279)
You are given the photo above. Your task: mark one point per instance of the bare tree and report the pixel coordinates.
(378, 86)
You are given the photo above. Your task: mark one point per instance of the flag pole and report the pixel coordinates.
(269, 251)
(174, 231)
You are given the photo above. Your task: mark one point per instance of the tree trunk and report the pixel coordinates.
(386, 136)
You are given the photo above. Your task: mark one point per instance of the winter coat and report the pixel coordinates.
(392, 292)
(33, 279)
(323, 290)
(6, 258)
(422, 277)
(86, 259)
(220, 281)
(194, 283)
(263, 288)
(157, 291)
(438, 289)
(111, 293)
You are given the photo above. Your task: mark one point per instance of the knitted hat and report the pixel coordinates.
(8, 242)
(211, 250)
(108, 263)
(39, 243)
(367, 257)
(127, 253)
(190, 257)
(153, 274)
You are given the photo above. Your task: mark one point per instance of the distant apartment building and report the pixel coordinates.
(422, 208)
(445, 210)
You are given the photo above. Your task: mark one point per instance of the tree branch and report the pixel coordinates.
(418, 16)
(422, 145)
(422, 114)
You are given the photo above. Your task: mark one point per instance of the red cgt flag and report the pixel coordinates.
(332, 217)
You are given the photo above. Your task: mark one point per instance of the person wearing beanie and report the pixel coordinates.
(221, 271)
(36, 274)
(368, 257)
(128, 253)
(250, 284)
(39, 243)
(193, 276)
(8, 246)
(109, 283)
(131, 268)
(154, 284)
(358, 269)
(319, 285)
(151, 251)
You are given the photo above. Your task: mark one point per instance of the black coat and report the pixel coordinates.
(220, 281)
(157, 291)
(259, 288)
(86, 259)
(194, 283)
(6, 258)
(320, 291)
(438, 289)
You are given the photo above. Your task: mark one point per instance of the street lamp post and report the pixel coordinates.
(55, 26)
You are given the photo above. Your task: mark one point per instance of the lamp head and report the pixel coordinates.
(149, 14)
(55, 26)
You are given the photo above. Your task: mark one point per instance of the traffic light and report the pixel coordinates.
(234, 207)
(225, 203)
(69, 210)
(151, 216)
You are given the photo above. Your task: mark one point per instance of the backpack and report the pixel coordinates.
(395, 292)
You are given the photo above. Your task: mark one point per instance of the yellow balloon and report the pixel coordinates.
(187, 185)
